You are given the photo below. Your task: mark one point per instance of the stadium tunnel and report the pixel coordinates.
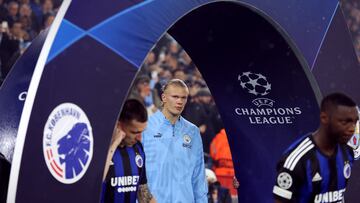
(227, 39)
(231, 43)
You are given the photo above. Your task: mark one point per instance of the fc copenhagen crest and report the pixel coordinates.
(68, 143)
(347, 170)
(139, 161)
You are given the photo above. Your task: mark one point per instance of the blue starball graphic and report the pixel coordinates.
(73, 149)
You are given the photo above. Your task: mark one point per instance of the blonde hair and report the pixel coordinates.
(174, 82)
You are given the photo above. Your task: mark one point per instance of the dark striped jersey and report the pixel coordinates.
(126, 173)
(305, 174)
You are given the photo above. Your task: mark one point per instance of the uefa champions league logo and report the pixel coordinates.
(265, 111)
(67, 143)
(254, 83)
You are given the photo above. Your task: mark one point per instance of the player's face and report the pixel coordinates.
(133, 130)
(342, 123)
(174, 99)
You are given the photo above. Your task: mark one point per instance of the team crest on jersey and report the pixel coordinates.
(284, 180)
(67, 143)
(347, 170)
(187, 141)
(139, 161)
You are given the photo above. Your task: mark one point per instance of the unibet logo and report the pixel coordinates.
(334, 196)
(124, 181)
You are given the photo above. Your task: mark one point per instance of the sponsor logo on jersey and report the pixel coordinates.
(316, 177)
(264, 111)
(67, 143)
(158, 135)
(139, 160)
(284, 180)
(333, 196)
(125, 183)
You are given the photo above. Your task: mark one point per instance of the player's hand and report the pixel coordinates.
(202, 128)
(118, 136)
(236, 183)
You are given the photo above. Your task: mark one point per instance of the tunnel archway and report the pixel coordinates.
(266, 124)
(225, 41)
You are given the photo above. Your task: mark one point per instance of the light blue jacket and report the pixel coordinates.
(174, 160)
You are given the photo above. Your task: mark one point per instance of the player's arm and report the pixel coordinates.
(199, 183)
(144, 195)
(117, 137)
(290, 177)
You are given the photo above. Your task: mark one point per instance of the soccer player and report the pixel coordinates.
(175, 158)
(317, 167)
(125, 175)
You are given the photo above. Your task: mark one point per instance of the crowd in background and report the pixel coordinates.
(351, 9)
(20, 22)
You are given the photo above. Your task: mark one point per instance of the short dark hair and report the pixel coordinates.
(133, 110)
(336, 99)
(141, 79)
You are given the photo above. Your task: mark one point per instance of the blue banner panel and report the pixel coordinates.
(13, 94)
(337, 69)
(93, 11)
(77, 103)
(265, 93)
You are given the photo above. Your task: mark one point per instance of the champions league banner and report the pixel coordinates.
(261, 85)
(13, 94)
(256, 57)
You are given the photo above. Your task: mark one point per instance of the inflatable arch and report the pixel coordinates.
(85, 64)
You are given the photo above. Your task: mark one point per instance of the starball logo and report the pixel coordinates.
(265, 110)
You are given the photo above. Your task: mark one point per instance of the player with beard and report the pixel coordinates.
(124, 179)
(317, 167)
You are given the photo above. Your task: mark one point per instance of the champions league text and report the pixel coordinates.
(269, 115)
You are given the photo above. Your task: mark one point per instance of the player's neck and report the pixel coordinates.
(326, 145)
(169, 116)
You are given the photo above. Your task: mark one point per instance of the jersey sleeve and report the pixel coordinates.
(143, 177)
(288, 180)
(199, 183)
